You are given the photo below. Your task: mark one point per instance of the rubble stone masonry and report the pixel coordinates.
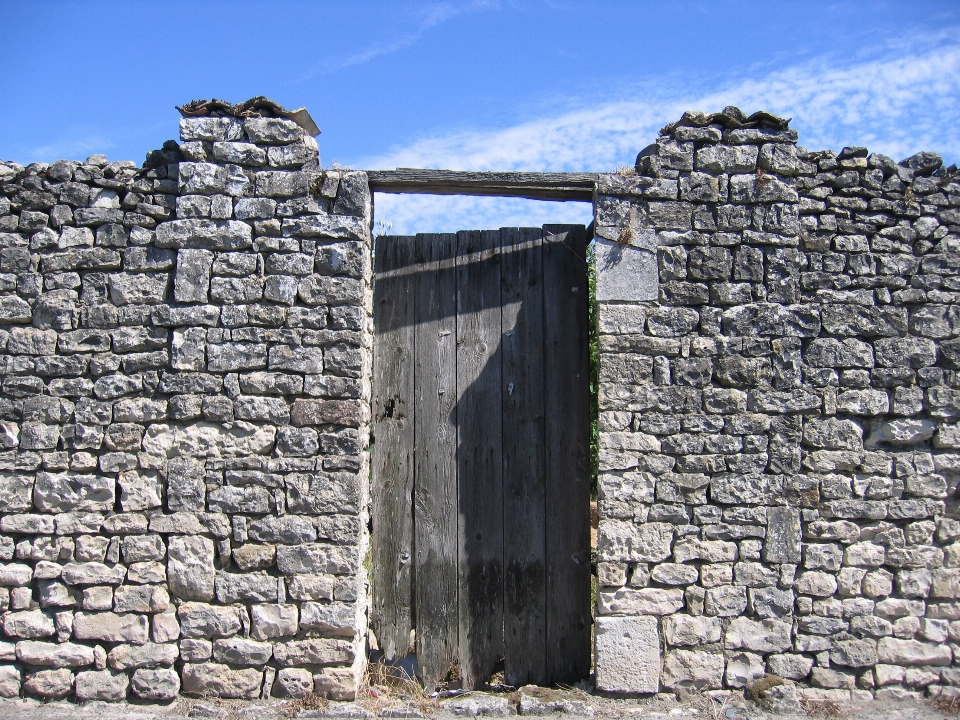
(779, 416)
(184, 420)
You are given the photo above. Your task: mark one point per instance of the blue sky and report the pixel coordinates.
(481, 85)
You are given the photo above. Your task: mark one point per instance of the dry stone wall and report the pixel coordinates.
(184, 420)
(779, 407)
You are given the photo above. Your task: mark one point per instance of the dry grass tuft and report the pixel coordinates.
(827, 709)
(310, 701)
(385, 686)
(947, 705)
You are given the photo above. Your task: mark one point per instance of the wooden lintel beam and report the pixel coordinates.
(535, 186)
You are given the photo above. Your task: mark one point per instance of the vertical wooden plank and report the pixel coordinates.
(566, 408)
(479, 455)
(393, 444)
(523, 456)
(435, 484)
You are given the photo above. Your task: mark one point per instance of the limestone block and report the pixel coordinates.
(15, 575)
(631, 542)
(684, 629)
(241, 651)
(295, 682)
(211, 129)
(195, 650)
(336, 683)
(642, 601)
(62, 492)
(765, 636)
(274, 620)
(216, 680)
(627, 654)
(789, 666)
(16, 489)
(190, 567)
(854, 653)
(199, 620)
(334, 618)
(693, 670)
(101, 685)
(314, 651)
(9, 681)
(57, 655)
(245, 587)
(148, 655)
(204, 234)
(769, 602)
(311, 587)
(111, 627)
(478, 704)
(743, 668)
(192, 280)
(28, 624)
(49, 684)
(725, 601)
(893, 651)
(160, 684)
(140, 598)
(286, 529)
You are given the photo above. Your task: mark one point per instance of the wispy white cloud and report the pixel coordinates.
(425, 19)
(894, 106)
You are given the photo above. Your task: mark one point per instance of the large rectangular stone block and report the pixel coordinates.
(627, 654)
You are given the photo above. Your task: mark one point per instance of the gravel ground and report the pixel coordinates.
(667, 707)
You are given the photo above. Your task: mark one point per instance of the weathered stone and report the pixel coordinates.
(111, 627)
(912, 652)
(199, 620)
(60, 492)
(28, 624)
(214, 679)
(766, 636)
(854, 653)
(245, 587)
(313, 651)
(48, 654)
(192, 280)
(9, 681)
(205, 234)
(241, 651)
(190, 567)
(689, 630)
(49, 684)
(155, 684)
(274, 621)
(783, 539)
(150, 655)
(295, 682)
(693, 670)
(101, 685)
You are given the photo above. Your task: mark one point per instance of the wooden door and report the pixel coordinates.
(480, 503)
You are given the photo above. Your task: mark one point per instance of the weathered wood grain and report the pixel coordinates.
(481, 374)
(479, 453)
(537, 186)
(566, 409)
(435, 484)
(523, 456)
(393, 446)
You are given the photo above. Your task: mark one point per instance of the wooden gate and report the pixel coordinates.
(481, 453)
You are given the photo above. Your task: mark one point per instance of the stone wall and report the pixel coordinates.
(184, 420)
(779, 406)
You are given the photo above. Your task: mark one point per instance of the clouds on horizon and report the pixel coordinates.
(894, 106)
